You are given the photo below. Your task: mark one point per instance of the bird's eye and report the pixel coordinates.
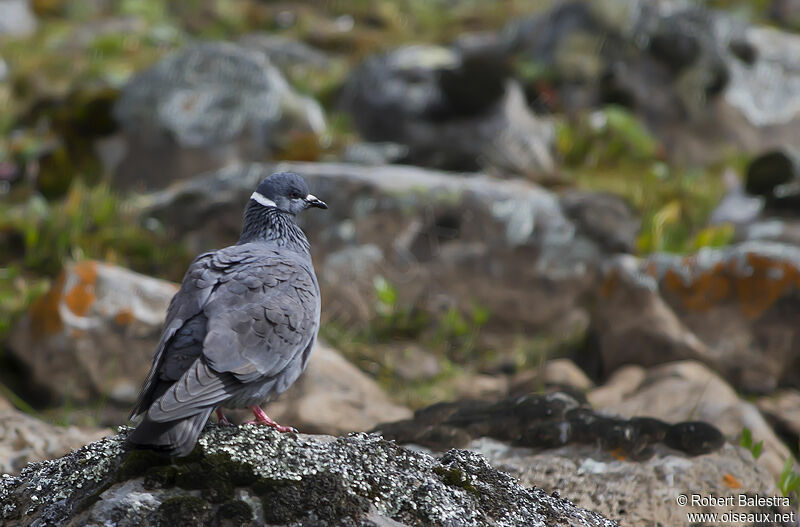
(294, 195)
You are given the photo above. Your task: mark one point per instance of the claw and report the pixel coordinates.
(263, 419)
(222, 419)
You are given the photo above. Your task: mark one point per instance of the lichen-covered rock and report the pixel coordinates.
(646, 493)
(93, 334)
(452, 108)
(733, 308)
(24, 439)
(254, 475)
(428, 233)
(203, 107)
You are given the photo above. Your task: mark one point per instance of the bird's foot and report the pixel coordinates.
(222, 419)
(261, 418)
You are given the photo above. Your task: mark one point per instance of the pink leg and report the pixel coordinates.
(262, 418)
(221, 418)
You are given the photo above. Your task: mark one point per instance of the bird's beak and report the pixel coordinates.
(314, 201)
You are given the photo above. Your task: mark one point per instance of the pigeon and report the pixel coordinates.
(241, 328)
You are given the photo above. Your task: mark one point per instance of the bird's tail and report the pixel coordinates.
(173, 438)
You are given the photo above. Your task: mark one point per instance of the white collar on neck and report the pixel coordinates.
(262, 200)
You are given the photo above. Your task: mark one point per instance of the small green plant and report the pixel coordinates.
(605, 137)
(394, 321)
(746, 441)
(789, 481)
(458, 332)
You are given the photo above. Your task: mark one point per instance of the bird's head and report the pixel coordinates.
(287, 192)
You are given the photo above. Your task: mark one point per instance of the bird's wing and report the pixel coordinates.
(184, 312)
(260, 315)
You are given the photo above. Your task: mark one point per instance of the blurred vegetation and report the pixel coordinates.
(454, 337)
(611, 150)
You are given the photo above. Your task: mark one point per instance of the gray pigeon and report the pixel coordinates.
(241, 328)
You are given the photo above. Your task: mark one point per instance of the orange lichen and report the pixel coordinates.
(45, 319)
(619, 454)
(124, 317)
(754, 291)
(610, 284)
(731, 482)
(81, 297)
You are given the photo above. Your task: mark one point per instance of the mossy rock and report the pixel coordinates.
(183, 511)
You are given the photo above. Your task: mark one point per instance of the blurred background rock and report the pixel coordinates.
(594, 196)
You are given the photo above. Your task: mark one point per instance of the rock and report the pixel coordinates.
(93, 334)
(607, 218)
(741, 301)
(452, 108)
(644, 492)
(632, 324)
(688, 390)
(16, 18)
(548, 421)
(617, 387)
(427, 233)
(206, 106)
(250, 474)
(775, 176)
(785, 13)
(736, 206)
(704, 81)
(334, 397)
(560, 373)
(782, 410)
(25, 439)
(413, 363)
(477, 386)
(733, 308)
(374, 153)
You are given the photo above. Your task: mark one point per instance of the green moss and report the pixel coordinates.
(183, 511)
(234, 513)
(321, 494)
(138, 462)
(455, 477)
(160, 477)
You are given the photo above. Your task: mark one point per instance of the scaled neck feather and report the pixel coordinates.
(273, 225)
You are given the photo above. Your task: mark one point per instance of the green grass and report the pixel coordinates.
(610, 150)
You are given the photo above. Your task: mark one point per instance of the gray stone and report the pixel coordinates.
(278, 479)
(16, 18)
(206, 106)
(607, 218)
(452, 108)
